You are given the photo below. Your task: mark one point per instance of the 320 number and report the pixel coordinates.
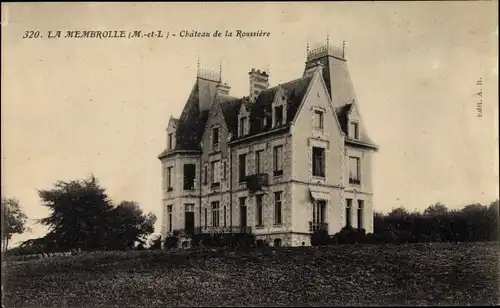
(31, 34)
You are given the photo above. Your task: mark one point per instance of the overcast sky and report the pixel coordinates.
(72, 107)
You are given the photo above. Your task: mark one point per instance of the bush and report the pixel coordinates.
(349, 236)
(229, 240)
(171, 241)
(320, 238)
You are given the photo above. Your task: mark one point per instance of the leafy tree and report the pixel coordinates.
(128, 226)
(399, 211)
(78, 214)
(14, 220)
(155, 242)
(437, 209)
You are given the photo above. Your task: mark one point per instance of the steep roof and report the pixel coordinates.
(230, 108)
(294, 92)
(194, 116)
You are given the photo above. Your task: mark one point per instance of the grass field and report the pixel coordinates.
(414, 274)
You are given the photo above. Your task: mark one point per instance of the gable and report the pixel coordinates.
(317, 99)
(353, 114)
(172, 124)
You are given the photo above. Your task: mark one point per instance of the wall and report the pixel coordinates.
(305, 136)
(276, 183)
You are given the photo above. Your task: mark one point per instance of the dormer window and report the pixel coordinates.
(170, 141)
(243, 126)
(215, 139)
(278, 115)
(354, 130)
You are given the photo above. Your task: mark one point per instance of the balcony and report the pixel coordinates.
(354, 181)
(315, 226)
(223, 230)
(255, 182)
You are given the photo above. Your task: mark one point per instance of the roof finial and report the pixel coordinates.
(198, 64)
(327, 38)
(307, 48)
(343, 49)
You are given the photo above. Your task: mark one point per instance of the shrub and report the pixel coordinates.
(320, 238)
(349, 235)
(171, 241)
(229, 240)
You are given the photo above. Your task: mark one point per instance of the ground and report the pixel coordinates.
(413, 274)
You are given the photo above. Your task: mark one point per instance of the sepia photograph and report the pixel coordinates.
(250, 154)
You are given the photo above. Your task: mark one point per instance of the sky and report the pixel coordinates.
(75, 107)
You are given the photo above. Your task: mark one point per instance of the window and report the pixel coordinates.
(215, 172)
(348, 212)
(278, 115)
(224, 171)
(243, 128)
(353, 130)
(258, 201)
(318, 119)
(170, 141)
(225, 213)
(243, 167)
(318, 163)
(354, 170)
(259, 161)
(277, 208)
(277, 242)
(243, 212)
(215, 214)
(264, 122)
(169, 179)
(360, 214)
(205, 175)
(169, 211)
(278, 160)
(319, 210)
(189, 176)
(215, 139)
(206, 217)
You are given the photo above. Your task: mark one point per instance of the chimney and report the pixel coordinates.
(259, 81)
(223, 88)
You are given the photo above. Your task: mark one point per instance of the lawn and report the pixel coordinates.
(346, 275)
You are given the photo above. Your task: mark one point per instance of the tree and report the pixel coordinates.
(128, 226)
(437, 209)
(399, 211)
(78, 214)
(155, 242)
(14, 220)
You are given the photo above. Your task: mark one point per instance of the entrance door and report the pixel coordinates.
(189, 222)
(189, 219)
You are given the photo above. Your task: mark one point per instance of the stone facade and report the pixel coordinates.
(310, 170)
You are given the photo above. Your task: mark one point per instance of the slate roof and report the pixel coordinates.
(191, 123)
(195, 114)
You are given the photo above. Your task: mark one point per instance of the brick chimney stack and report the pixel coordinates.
(259, 81)
(223, 88)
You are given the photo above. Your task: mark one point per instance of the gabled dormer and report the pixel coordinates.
(244, 120)
(171, 133)
(353, 126)
(279, 106)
